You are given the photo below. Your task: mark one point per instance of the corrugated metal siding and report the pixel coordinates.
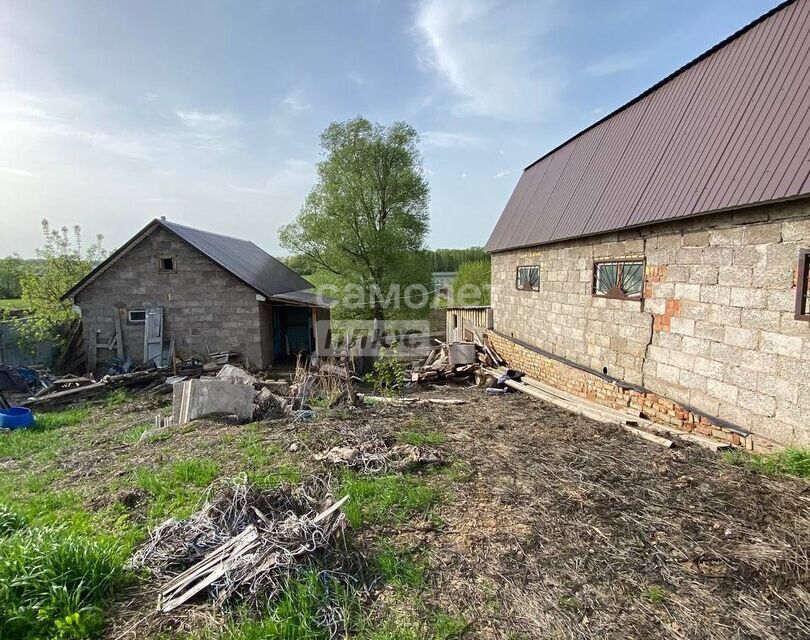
(731, 129)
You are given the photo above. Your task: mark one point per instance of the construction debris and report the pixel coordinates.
(198, 398)
(632, 423)
(406, 400)
(268, 405)
(456, 360)
(375, 455)
(230, 373)
(244, 544)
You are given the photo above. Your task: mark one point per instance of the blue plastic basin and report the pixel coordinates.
(16, 418)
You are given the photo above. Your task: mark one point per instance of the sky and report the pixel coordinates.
(209, 113)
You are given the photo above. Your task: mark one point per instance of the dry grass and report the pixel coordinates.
(542, 524)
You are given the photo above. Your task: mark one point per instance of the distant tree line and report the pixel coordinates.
(452, 259)
(440, 260)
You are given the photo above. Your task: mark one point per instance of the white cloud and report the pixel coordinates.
(490, 54)
(463, 174)
(448, 139)
(296, 102)
(502, 174)
(613, 64)
(356, 78)
(210, 131)
(208, 121)
(16, 172)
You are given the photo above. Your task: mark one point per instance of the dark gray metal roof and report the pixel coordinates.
(728, 130)
(241, 258)
(305, 298)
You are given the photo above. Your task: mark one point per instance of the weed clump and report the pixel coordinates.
(793, 461)
(54, 581)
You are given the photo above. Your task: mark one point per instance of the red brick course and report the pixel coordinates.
(597, 389)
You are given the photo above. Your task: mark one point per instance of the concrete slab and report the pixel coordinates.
(230, 373)
(198, 398)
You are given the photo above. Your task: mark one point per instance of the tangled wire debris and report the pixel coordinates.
(374, 455)
(246, 543)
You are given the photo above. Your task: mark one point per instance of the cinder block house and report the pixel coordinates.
(659, 258)
(205, 292)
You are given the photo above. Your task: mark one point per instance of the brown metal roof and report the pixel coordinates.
(730, 129)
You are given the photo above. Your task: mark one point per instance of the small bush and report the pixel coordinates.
(793, 461)
(53, 583)
(388, 372)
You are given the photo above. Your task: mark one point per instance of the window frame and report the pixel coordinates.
(129, 316)
(517, 277)
(161, 266)
(616, 293)
(803, 286)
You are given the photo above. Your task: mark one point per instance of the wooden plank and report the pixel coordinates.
(119, 334)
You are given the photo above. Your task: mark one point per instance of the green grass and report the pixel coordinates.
(794, 461)
(55, 581)
(60, 419)
(11, 303)
(117, 398)
(176, 488)
(400, 568)
(294, 614)
(415, 431)
(10, 521)
(655, 594)
(385, 499)
(42, 441)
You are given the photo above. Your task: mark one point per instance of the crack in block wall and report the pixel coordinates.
(715, 329)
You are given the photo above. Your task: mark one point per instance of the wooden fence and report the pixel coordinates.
(464, 322)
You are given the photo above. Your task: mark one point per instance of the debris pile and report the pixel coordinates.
(244, 544)
(322, 380)
(456, 360)
(375, 455)
(69, 389)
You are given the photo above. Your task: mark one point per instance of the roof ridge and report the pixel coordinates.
(720, 45)
(169, 224)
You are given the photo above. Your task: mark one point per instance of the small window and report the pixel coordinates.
(528, 278)
(621, 279)
(136, 316)
(166, 263)
(803, 286)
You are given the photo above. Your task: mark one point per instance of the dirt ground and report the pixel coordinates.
(551, 525)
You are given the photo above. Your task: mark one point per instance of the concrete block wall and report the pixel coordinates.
(606, 392)
(204, 306)
(715, 330)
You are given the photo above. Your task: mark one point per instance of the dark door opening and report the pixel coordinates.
(292, 332)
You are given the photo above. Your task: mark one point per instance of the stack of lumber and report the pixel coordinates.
(71, 389)
(630, 422)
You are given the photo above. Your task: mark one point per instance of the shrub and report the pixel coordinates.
(388, 372)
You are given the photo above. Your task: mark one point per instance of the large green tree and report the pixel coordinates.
(62, 263)
(365, 220)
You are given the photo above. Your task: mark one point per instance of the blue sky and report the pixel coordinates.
(113, 113)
